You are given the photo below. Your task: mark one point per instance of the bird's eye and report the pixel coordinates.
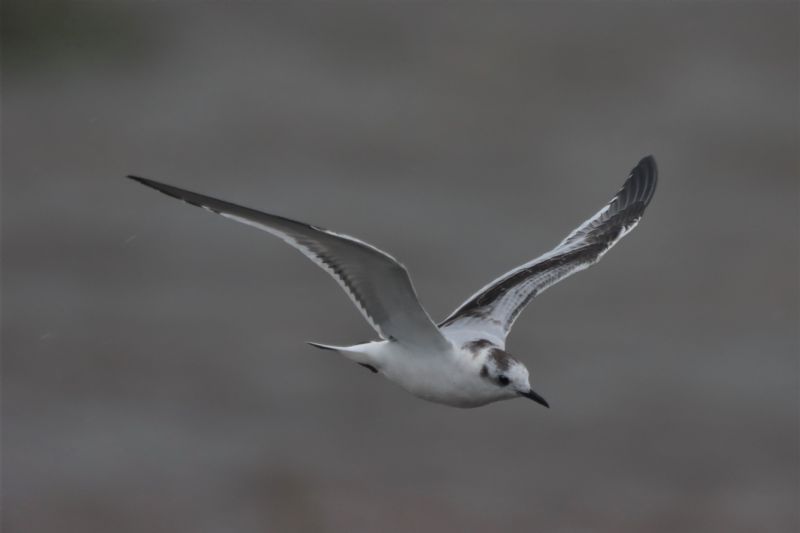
(503, 381)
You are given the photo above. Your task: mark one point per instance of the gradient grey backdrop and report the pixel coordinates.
(155, 375)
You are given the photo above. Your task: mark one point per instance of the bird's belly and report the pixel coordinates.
(440, 383)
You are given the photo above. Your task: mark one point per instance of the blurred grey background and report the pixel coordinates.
(155, 376)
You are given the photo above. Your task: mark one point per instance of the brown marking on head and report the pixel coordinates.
(476, 346)
(502, 360)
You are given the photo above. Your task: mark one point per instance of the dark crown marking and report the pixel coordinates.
(476, 346)
(502, 360)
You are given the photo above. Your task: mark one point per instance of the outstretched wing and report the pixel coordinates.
(492, 310)
(377, 284)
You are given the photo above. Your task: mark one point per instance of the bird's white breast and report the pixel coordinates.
(450, 378)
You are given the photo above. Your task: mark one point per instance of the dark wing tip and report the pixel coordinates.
(648, 160)
(640, 186)
(152, 184)
(177, 193)
(143, 181)
(646, 173)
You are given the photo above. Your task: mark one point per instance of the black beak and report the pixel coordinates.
(535, 397)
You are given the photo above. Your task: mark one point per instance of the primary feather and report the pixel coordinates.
(493, 309)
(376, 282)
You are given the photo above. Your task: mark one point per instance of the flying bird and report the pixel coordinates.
(461, 361)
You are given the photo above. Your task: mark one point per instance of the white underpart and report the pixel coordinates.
(450, 377)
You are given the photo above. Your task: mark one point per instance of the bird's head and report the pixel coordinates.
(509, 375)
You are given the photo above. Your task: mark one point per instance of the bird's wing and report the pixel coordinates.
(377, 284)
(491, 312)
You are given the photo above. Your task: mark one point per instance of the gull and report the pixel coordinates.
(462, 361)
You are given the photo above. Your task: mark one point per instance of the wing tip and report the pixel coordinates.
(173, 192)
(641, 184)
(648, 167)
(147, 182)
(649, 159)
(139, 179)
